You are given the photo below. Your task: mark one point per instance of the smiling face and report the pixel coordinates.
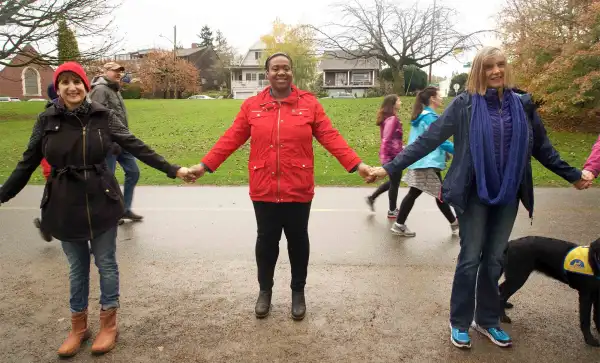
(490, 69)
(71, 89)
(494, 68)
(279, 73)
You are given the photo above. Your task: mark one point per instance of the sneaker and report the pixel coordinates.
(454, 227)
(402, 230)
(460, 338)
(392, 214)
(371, 203)
(496, 335)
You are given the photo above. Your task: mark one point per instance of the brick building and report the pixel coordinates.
(25, 82)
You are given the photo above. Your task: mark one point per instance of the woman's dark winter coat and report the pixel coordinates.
(82, 198)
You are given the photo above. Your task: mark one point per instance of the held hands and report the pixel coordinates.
(371, 174)
(182, 173)
(378, 173)
(364, 171)
(193, 173)
(587, 177)
(190, 175)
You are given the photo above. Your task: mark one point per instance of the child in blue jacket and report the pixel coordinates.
(425, 174)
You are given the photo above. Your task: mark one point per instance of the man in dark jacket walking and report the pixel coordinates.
(106, 90)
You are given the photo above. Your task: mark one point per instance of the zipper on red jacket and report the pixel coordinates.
(277, 198)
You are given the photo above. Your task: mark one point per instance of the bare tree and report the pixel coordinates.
(395, 35)
(35, 22)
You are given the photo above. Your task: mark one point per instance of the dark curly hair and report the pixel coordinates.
(278, 54)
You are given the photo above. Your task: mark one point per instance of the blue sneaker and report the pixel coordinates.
(496, 335)
(460, 338)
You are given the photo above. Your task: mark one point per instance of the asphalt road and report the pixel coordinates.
(188, 284)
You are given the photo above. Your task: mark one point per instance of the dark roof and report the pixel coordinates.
(189, 51)
(340, 60)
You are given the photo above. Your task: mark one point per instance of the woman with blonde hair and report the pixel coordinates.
(496, 132)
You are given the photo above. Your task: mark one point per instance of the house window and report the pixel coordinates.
(31, 82)
(203, 80)
(250, 76)
(261, 76)
(361, 77)
(257, 55)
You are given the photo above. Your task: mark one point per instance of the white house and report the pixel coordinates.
(345, 75)
(248, 78)
(444, 87)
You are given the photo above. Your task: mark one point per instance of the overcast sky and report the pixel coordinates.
(141, 22)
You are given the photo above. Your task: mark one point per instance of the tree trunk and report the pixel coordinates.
(398, 74)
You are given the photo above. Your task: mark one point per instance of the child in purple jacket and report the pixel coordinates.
(391, 145)
(591, 169)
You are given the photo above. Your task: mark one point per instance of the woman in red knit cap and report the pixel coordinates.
(82, 200)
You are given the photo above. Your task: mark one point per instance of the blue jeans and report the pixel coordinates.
(132, 174)
(104, 248)
(484, 234)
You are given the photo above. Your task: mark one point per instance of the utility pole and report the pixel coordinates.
(175, 42)
(431, 45)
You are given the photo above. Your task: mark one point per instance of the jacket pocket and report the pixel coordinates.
(46, 195)
(302, 174)
(260, 178)
(109, 190)
(101, 140)
(301, 117)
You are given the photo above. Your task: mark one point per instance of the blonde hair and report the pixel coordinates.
(477, 81)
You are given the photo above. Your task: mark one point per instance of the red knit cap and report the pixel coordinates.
(71, 67)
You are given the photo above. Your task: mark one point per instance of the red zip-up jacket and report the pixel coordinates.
(281, 163)
(593, 162)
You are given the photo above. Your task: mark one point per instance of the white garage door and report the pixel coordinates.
(243, 95)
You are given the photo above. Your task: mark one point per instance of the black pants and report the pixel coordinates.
(391, 186)
(409, 201)
(271, 220)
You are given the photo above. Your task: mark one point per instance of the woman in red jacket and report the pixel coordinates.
(281, 122)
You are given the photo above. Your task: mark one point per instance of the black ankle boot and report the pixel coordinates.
(298, 305)
(263, 304)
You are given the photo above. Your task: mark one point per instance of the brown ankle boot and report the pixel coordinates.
(107, 336)
(79, 333)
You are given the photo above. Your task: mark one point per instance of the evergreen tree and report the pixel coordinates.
(207, 36)
(68, 49)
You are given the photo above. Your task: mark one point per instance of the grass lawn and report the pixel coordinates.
(184, 130)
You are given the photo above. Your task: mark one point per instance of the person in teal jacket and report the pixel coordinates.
(425, 174)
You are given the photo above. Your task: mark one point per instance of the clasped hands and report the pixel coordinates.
(191, 174)
(370, 174)
(587, 177)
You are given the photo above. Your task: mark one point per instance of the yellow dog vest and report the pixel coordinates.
(577, 261)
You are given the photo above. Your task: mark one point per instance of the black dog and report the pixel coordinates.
(547, 255)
